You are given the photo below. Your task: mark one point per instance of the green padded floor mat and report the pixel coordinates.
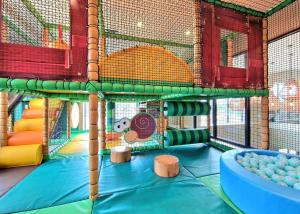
(79, 207)
(189, 197)
(212, 182)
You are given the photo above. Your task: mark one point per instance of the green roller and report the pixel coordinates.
(186, 136)
(186, 108)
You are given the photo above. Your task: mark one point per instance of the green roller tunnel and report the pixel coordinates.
(186, 108)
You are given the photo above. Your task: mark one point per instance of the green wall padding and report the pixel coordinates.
(186, 136)
(186, 108)
(212, 182)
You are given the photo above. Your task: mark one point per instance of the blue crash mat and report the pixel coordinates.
(188, 196)
(53, 183)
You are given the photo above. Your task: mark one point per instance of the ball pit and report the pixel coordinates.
(259, 181)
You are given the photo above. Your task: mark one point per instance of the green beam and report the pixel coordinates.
(129, 89)
(146, 40)
(18, 30)
(237, 8)
(278, 7)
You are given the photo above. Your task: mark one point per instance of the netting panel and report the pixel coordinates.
(36, 23)
(231, 120)
(130, 125)
(167, 24)
(284, 79)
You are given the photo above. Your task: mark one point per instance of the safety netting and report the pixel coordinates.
(284, 78)
(147, 42)
(136, 125)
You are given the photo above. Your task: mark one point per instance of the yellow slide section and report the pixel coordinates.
(149, 63)
(24, 155)
(25, 144)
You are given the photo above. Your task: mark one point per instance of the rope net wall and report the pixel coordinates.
(284, 78)
(147, 42)
(132, 124)
(57, 124)
(36, 23)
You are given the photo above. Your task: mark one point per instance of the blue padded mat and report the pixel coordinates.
(138, 173)
(188, 196)
(195, 161)
(53, 183)
(198, 159)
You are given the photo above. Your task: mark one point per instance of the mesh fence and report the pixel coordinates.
(147, 42)
(258, 5)
(57, 124)
(284, 77)
(133, 125)
(36, 22)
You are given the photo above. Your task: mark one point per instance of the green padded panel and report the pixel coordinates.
(188, 196)
(212, 182)
(79, 207)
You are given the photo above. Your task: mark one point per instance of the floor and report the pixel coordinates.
(61, 186)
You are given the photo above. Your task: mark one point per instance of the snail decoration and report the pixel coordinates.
(139, 129)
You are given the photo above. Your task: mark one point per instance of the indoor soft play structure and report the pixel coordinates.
(130, 106)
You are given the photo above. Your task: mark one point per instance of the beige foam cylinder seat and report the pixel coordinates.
(120, 154)
(23, 155)
(166, 166)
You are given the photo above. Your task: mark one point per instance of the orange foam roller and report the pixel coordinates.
(32, 113)
(25, 138)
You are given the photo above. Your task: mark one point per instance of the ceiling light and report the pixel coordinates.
(188, 33)
(139, 24)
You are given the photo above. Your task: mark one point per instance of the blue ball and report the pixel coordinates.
(290, 180)
(296, 186)
(276, 178)
(280, 172)
(294, 161)
(289, 168)
(269, 172)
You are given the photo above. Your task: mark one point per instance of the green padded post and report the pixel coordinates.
(110, 116)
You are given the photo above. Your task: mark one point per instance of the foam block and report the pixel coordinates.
(25, 138)
(32, 113)
(24, 155)
(28, 125)
(36, 104)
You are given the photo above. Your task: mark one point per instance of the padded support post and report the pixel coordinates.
(110, 117)
(103, 128)
(46, 127)
(93, 145)
(80, 126)
(161, 121)
(93, 38)
(69, 109)
(197, 44)
(265, 99)
(3, 118)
